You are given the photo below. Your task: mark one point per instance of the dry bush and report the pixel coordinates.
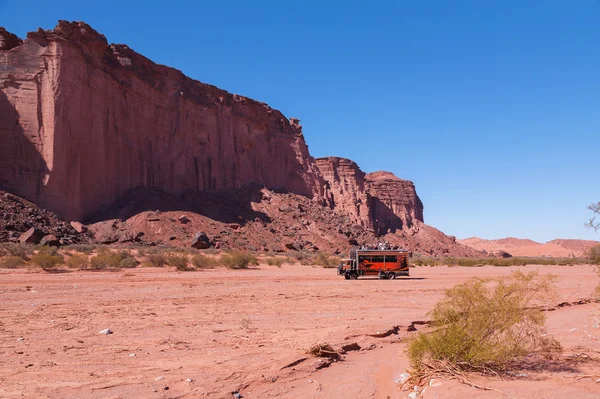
(477, 262)
(276, 261)
(238, 260)
(78, 261)
(129, 262)
(180, 261)
(46, 260)
(83, 248)
(594, 255)
(112, 260)
(16, 249)
(156, 260)
(326, 261)
(200, 261)
(486, 323)
(11, 262)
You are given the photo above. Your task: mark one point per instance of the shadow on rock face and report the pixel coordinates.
(22, 167)
(230, 206)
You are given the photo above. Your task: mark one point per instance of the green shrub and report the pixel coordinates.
(486, 323)
(276, 261)
(78, 261)
(179, 261)
(46, 261)
(202, 261)
(238, 260)
(326, 261)
(11, 262)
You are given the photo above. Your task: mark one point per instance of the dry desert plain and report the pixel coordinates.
(206, 334)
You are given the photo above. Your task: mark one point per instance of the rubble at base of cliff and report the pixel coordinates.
(22, 221)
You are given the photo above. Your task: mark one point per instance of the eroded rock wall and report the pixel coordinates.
(82, 122)
(379, 201)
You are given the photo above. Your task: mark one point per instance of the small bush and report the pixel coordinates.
(11, 262)
(78, 261)
(110, 260)
(46, 261)
(594, 255)
(83, 248)
(238, 260)
(479, 326)
(129, 263)
(156, 260)
(276, 261)
(326, 261)
(202, 261)
(179, 261)
(16, 249)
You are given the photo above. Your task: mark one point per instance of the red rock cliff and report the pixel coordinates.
(379, 201)
(82, 122)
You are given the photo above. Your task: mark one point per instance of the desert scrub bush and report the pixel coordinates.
(179, 260)
(129, 262)
(326, 261)
(200, 261)
(156, 260)
(78, 261)
(82, 248)
(16, 249)
(238, 260)
(594, 255)
(111, 260)
(485, 323)
(46, 260)
(501, 262)
(11, 262)
(276, 261)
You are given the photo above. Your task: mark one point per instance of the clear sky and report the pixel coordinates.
(491, 107)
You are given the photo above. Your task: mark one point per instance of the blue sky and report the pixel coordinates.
(492, 108)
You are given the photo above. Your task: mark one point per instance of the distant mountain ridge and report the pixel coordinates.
(557, 248)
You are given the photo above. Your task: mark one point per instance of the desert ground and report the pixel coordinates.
(206, 334)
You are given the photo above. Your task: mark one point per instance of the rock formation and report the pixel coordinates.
(98, 133)
(379, 201)
(83, 122)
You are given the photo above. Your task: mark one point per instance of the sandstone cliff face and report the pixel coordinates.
(82, 122)
(394, 204)
(346, 189)
(379, 201)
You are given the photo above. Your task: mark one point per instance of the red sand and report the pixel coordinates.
(229, 330)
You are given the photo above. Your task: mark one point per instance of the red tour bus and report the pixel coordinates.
(383, 263)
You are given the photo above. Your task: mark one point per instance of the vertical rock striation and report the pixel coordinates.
(379, 201)
(82, 122)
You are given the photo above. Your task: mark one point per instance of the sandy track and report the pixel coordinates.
(229, 330)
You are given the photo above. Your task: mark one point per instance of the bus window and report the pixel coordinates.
(391, 258)
(364, 258)
(377, 258)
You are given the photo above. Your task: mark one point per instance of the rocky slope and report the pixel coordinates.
(525, 247)
(83, 122)
(18, 216)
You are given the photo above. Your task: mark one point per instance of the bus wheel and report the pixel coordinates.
(354, 276)
(347, 276)
(391, 276)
